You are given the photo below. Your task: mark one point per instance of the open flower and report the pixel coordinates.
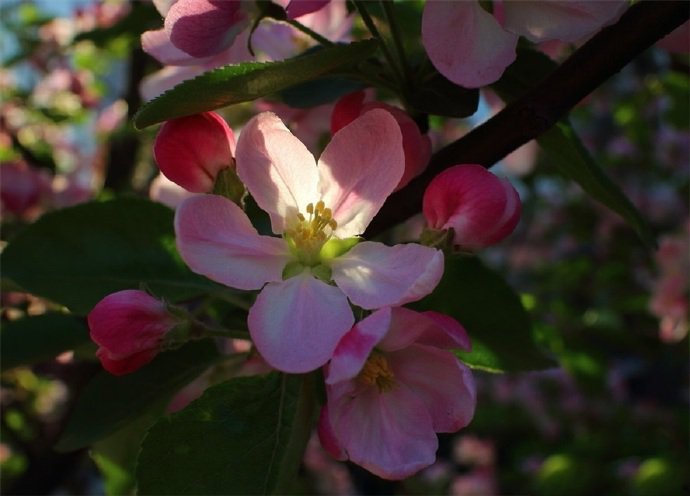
(472, 47)
(391, 385)
(129, 328)
(481, 208)
(308, 274)
(192, 150)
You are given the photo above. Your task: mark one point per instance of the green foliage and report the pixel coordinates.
(244, 436)
(108, 403)
(78, 255)
(248, 81)
(499, 327)
(35, 339)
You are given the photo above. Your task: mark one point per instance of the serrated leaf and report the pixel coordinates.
(78, 255)
(109, 402)
(245, 436)
(35, 339)
(499, 327)
(248, 81)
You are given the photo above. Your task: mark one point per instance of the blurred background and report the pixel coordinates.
(612, 419)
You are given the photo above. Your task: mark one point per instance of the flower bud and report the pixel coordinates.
(129, 327)
(416, 146)
(192, 150)
(481, 208)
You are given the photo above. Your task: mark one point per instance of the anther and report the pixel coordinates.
(310, 208)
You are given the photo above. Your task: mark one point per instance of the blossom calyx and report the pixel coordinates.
(130, 327)
(480, 207)
(192, 151)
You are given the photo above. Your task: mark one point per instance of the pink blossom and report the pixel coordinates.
(417, 146)
(298, 8)
(472, 47)
(21, 187)
(129, 328)
(481, 208)
(164, 191)
(391, 386)
(299, 316)
(192, 150)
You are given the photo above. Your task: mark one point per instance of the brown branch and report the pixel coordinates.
(541, 107)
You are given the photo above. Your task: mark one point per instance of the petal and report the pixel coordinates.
(277, 169)
(443, 384)
(129, 322)
(216, 239)
(125, 365)
(203, 28)
(296, 324)
(157, 44)
(445, 333)
(298, 8)
(192, 150)
(465, 43)
(328, 440)
(157, 83)
(359, 168)
(354, 348)
(389, 434)
(374, 275)
(560, 20)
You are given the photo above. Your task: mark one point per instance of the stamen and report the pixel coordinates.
(377, 372)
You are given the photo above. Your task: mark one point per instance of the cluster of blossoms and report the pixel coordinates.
(391, 381)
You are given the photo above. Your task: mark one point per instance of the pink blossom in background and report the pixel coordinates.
(481, 208)
(677, 41)
(391, 386)
(472, 47)
(417, 146)
(22, 188)
(192, 150)
(129, 328)
(299, 317)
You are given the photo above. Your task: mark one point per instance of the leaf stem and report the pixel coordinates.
(389, 10)
(369, 22)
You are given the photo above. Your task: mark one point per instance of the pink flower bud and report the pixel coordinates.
(416, 146)
(192, 150)
(481, 208)
(129, 327)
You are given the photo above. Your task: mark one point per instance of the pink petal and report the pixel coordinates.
(128, 322)
(406, 327)
(465, 43)
(164, 191)
(216, 239)
(440, 381)
(446, 333)
(328, 440)
(203, 28)
(354, 348)
(568, 20)
(125, 365)
(277, 169)
(155, 84)
(359, 168)
(296, 324)
(298, 8)
(192, 150)
(158, 45)
(480, 207)
(374, 275)
(389, 434)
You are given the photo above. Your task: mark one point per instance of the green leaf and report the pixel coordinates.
(245, 436)
(499, 327)
(78, 255)
(438, 96)
(248, 81)
(318, 92)
(109, 402)
(36, 339)
(571, 158)
(563, 147)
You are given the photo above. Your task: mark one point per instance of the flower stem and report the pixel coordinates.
(309, 32)
(369, 22)
(389, 10)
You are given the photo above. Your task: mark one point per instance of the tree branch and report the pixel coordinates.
(541, 107)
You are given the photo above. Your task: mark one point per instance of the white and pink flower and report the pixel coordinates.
(391, 386)
(472, 47)
(308, 274)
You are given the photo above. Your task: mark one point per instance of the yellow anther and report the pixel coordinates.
(333, 224)
(301, 217)
(310, 208)
(327, 213)
(320, 205)
(377, 372)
